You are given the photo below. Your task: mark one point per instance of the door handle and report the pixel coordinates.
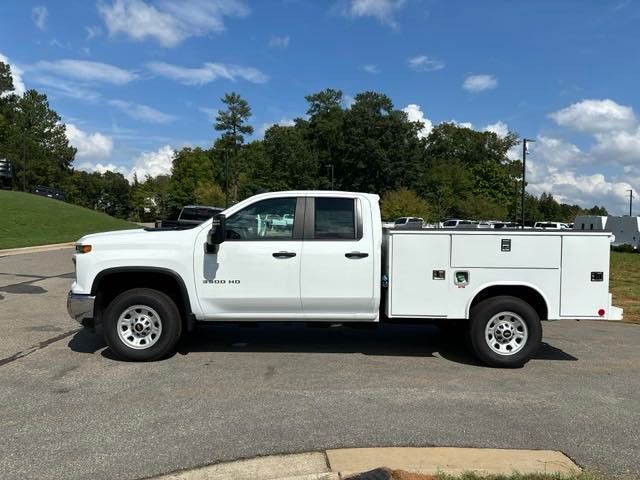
(283, 254)
(356, 255)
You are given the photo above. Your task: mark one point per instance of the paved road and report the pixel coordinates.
(68, 410)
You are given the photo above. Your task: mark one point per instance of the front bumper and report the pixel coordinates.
(80, 308)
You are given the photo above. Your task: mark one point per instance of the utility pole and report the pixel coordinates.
(226, 178)
(630, 202)
(524, 171)
(330, 167)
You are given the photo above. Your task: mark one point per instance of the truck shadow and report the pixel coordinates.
(382, 340)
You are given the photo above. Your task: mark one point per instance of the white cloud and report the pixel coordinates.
(595, 116)
(500, 128)
(91, 146)
(39, 16)
(85, 70)
(372, 69)
(279, 42)
(621, 147)
(141, 112)
(423, 63)
(479, 83)
(152, 163)
(210, 113)
(93, 31)
(169, 22)
(382, 10)
(207, 73)
(586, 190)
(284, 122)
(348, 100)
(415, 114)
(16, 75)
(63, 87)
(555, 152)
(461, 124)
(101, 168)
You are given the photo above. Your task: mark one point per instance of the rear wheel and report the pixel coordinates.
(142, 324)
(505, 331)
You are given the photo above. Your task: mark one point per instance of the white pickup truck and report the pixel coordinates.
(334, 263)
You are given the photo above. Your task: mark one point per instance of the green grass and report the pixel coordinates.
(27, 220)
(625, 284)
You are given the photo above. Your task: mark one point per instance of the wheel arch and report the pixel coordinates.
(524, 291)
(110, 282)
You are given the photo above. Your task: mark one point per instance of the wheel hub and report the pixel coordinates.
(506, 333)
(139, 327)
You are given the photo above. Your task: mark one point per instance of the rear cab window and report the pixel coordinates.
(334, 218)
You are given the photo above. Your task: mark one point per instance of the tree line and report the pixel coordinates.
(368, 146)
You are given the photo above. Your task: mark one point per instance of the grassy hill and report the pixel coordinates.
(625, 284)
(27, 220)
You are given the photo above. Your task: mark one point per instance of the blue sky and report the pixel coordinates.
(136, 79)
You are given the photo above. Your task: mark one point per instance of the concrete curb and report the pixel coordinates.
(341, 463)
(40, 248)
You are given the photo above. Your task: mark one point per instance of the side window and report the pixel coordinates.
(335, 219)
(265, 220)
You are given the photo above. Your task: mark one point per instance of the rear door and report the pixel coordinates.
(337, 270)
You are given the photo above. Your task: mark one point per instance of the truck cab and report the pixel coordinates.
(330, 260)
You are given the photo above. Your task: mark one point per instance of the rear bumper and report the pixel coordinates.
(80, 308)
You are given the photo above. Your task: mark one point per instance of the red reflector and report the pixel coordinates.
(601, 312)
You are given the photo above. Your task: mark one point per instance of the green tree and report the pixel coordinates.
(293, 164)
(233, 123)
(382, 150)
(405, 203)
(476, 207)
(114, 194)
(483, 155)
(190, 166)
(209, 193)
(445, 184)
(38, 145)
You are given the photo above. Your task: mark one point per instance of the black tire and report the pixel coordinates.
(171, 323)
(485, 311)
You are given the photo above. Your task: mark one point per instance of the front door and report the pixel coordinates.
(256, 272)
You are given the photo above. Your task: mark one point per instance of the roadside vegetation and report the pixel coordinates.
(362, 144)
(625, 284)
(29, 220)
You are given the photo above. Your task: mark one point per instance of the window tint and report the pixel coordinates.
(201, 214)
(334, 219)
(266, 220)
(450, 223)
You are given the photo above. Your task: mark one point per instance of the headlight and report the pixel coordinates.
(83, 248)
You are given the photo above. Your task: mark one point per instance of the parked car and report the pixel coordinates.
(190, 216)
(147, 287)
(409, 222)
(551, 225)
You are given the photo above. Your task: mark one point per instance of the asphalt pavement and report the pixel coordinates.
(68, 409)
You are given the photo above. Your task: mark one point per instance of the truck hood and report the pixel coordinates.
(135, 236)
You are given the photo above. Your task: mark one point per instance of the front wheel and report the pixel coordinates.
(142, 325)
(505, 331)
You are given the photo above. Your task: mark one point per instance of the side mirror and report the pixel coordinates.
(217, 234)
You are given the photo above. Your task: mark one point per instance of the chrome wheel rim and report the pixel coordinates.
(139, 327)
(506, 333)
